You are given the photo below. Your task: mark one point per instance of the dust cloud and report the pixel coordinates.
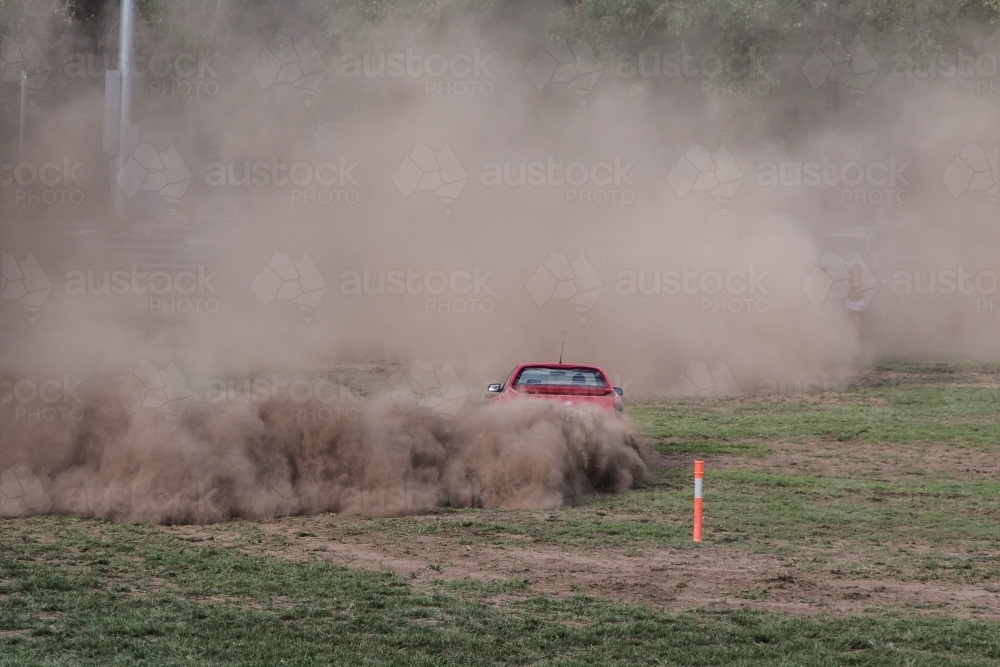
(257, 461)
(353, 218)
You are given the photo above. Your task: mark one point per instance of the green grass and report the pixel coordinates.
(97, 594)
(868, 505)
(901, 414)
(891, 524)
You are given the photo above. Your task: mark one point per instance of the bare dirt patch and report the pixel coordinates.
(709, 576)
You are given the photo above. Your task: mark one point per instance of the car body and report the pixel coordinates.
(581, 387)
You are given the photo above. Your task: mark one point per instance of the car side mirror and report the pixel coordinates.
(618, 390)
(494, 388)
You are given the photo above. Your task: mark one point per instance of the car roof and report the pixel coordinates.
(549, 364)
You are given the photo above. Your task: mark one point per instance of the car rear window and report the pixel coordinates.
(560, 377)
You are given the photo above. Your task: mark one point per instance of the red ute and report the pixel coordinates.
(577, 386)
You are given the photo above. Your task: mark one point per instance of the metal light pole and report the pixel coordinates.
(125, 110)
(24, 104)
(835, 32)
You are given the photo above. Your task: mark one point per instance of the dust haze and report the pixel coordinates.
(583, 216)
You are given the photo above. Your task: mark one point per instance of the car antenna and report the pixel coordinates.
(561, 346)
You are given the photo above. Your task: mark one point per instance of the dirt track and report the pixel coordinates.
(711, 575)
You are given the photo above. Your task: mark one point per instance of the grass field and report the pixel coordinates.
(858, 527)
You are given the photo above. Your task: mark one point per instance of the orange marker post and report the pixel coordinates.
(699, 475)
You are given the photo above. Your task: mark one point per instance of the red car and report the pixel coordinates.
(584, 388)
